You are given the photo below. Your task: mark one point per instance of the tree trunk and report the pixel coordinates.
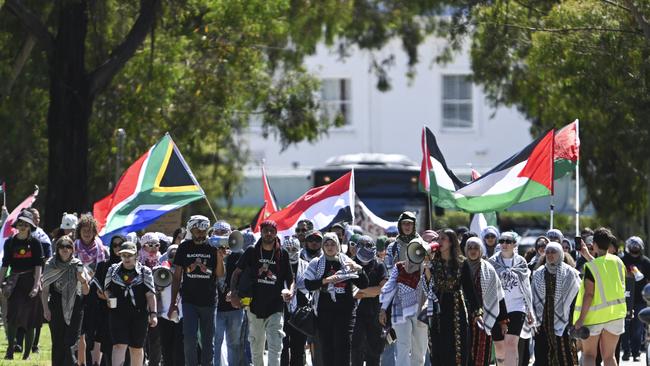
(68, 117)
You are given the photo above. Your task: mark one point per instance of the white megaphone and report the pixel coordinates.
(236, 241)
(418, 249)
(162, 276)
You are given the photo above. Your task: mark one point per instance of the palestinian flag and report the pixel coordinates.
(522, 177)
(567, 150)
(435, 177)
(158, 182)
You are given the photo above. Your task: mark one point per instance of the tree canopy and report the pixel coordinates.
(201, 69)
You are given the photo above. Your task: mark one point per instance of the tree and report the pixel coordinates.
(557, 61)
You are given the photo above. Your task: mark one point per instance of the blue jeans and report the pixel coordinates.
(388, 356)
(195, 317)
(230, 323)
(632, 339)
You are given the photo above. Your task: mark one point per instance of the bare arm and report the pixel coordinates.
(221, 266)
(176, 284)
(37, 281)
(233, 295)
(151, 306)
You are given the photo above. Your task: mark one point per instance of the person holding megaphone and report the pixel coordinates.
(405, 293)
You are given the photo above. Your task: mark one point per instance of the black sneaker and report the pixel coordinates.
(9, 355)
(636, 359)
(626, 357)
(18, 348)
(35, 349)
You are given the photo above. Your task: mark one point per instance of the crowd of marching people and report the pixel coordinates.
(208, 295)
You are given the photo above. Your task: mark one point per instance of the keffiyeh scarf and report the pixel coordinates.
(144, 275)
(64, 276)
(315, 271)
(492, 293)
(300, 285)
(566, 288)
(520, 269)
(90, 254)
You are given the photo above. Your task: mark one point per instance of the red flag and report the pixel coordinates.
(7, 230)
(270, 205)
(323, 205)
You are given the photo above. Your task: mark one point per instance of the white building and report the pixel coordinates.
(471, 134)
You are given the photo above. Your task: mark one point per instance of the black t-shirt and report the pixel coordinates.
(376, 273)
(231, 264)
(342, 290)
(124, 303)
(272, 271)
(199, 265)
(642, 263)
(22, 254)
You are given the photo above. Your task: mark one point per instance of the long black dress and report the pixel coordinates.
(448, 331)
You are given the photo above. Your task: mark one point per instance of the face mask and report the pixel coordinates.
(294, 256)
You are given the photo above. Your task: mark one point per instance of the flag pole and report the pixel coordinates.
(577, 182)
(210, 207)
(552, 208)
(4, 194)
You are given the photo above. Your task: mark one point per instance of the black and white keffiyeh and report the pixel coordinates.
(315, 271)
(566, 288)
(143, 275)
(492, 293)
(520, 270)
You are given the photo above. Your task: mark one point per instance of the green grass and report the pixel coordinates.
(42, 358)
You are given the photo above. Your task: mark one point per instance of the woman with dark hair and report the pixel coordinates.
(451, 286)
(65, 282)
(179, 235)
(91, 251)
(25, 256)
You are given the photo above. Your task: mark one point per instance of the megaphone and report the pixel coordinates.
(162, 276)
(417, 250)
(236, 241)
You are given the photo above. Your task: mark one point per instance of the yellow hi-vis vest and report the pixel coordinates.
(609, 291)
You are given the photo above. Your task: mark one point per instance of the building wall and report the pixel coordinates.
(390, 122)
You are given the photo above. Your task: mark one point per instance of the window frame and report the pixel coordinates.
(471, 102)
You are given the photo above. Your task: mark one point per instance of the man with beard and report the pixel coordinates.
(199, 265)
(271, 272)
(367, 344)
(638, 266)
(396, 252)
(312, 247)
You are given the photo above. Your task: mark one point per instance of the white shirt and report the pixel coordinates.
(512, 289)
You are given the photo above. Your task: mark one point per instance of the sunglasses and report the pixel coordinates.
(506, 241)
(124, 255)
(301, 230)
(65, 247)
(364, 245)
(490, 236)
(152, 245)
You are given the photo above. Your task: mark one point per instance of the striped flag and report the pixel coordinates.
(158, 182)
(324, 205)
(270, 205)
(524, 176)
(567, 150)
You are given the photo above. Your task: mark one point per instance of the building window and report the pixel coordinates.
(457, 102)
(336, 101)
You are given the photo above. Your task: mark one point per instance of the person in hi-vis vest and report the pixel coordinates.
(600, 305)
